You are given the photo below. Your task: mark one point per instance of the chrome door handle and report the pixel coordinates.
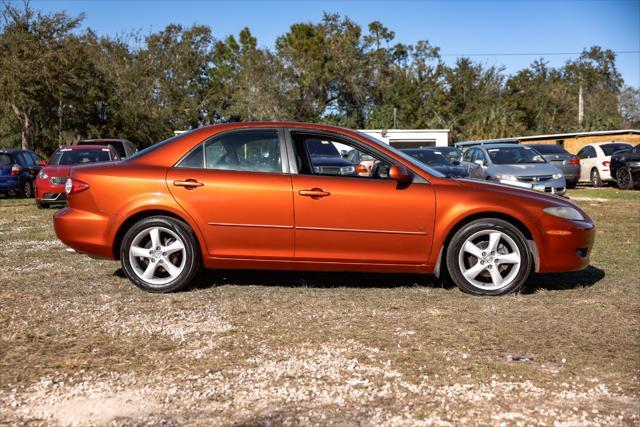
(314, 193)
(189, 184)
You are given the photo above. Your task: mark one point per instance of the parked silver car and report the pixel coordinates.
(568, 163)
(514, 164)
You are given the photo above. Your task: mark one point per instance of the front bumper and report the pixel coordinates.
(553, 186)
(48, 192)
(565, 245)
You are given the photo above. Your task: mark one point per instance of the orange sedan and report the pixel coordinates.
(253, 196)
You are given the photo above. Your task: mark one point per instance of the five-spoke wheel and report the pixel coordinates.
(160, 254)
(488, 257)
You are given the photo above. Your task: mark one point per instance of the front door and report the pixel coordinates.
(341, 215)
(235, 189)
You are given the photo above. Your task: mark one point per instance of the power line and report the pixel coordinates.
(533, 54)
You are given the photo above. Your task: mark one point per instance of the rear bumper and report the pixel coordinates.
(84, 231)
(566, 245)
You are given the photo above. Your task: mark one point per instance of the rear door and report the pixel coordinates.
(587, 161)
(346, 217)
(237, 189)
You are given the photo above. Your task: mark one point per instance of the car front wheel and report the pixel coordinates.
(160, 254)
(489, 257)
(27, 190)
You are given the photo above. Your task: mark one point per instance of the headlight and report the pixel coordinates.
(506, 177)
(565, 212)
(347, 170)
(557, 175)
(42, 174)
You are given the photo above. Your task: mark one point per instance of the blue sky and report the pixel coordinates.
(457, 27)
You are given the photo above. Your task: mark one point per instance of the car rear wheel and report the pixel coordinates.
(160, 254)
(27, 190)
(489, 257)
(595, 178)
(624, 178)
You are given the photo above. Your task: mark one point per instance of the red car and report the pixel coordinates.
(51, 178)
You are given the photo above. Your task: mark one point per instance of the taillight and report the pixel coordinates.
(73, 186)
(16, 169)
(360, 168)
(574, 160)
(606, 163)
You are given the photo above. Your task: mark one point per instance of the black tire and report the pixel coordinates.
(42, 205)
(571, 185)
(624, 178)
(517, 275)
(192, 254)
(595, 178)
(26, 190)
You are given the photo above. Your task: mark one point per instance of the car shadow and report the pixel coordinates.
(303, 279)
(295, 279)
(563, 281)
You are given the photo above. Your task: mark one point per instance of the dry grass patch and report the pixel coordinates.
(81, 345)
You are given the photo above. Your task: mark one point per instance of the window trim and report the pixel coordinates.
(281, 144)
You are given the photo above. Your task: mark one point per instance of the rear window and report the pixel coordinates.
(5, 160)
(549, 149)
(118, 145)
(609, 149)
(76, 157)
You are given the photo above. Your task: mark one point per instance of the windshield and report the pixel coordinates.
(514, 155)
(68, 156)
(415, 162)
(609, 149)
(428, 157)
(449, 152)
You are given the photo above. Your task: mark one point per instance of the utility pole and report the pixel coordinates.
(580, 107)
(395, 118)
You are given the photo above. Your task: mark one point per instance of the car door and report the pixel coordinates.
(587, 158)
(235, 187)
(346, 217)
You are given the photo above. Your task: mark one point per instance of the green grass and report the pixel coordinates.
(252, 348)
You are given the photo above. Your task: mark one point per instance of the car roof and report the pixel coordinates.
(103, 140)
(13, 150)
(486, 147)
(82, 147)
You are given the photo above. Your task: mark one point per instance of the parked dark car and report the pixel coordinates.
(568, 163)
(434, 158)
(124, 147)
(18, 169)
(625, 168)
(326, 159)
(453, 154)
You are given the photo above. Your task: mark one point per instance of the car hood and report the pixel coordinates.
(57, 170)
(528, 169)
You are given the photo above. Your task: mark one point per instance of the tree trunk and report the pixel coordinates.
(25, 126)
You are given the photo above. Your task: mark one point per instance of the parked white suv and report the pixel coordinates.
(595, 159)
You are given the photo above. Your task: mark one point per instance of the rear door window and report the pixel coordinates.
(5, 160)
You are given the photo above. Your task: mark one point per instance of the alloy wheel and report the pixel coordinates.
(157, 255)
(489, 260)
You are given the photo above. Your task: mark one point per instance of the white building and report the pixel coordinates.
(411, 138)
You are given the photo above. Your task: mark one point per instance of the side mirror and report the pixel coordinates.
(42, 163)
(400, 173)
(479, 162)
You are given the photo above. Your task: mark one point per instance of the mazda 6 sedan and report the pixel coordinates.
(249, 196)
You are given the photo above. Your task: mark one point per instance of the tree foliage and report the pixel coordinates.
(59, 83)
